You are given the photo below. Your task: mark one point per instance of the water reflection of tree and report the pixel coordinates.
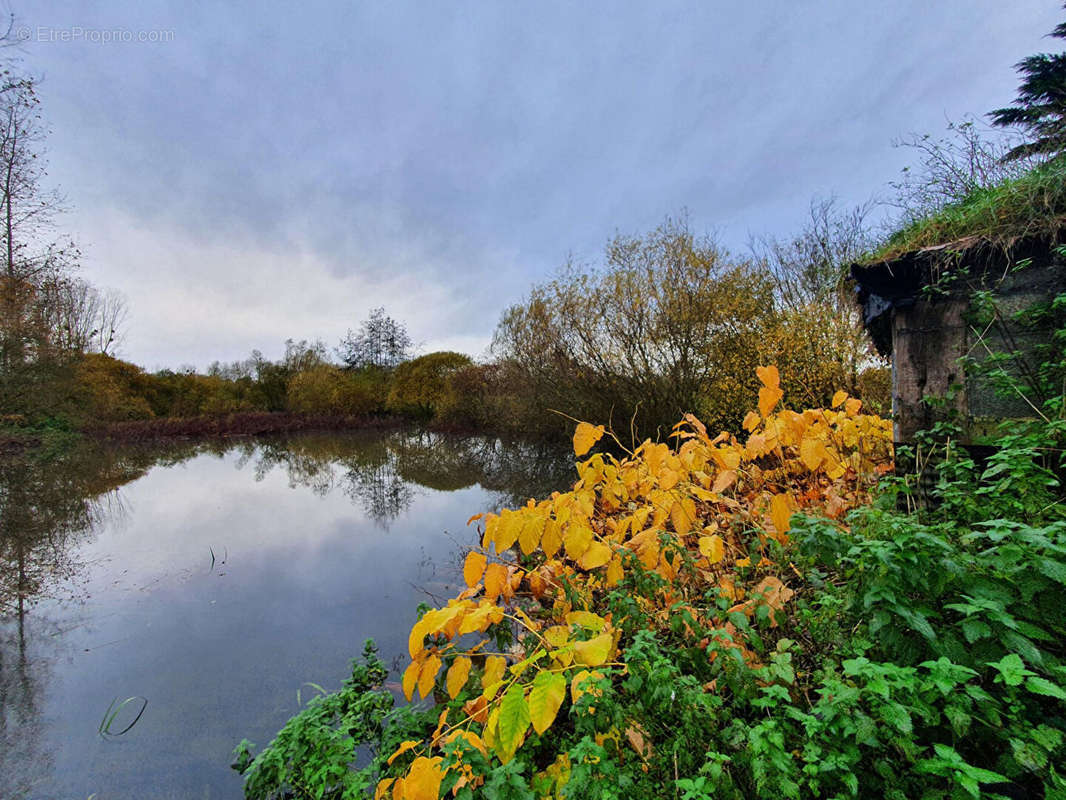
(49, 504)
(383, 472)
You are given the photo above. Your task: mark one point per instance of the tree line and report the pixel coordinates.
(50, 318)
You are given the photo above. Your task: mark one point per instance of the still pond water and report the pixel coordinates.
(215, 581)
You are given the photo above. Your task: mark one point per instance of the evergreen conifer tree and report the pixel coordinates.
(1040, 108)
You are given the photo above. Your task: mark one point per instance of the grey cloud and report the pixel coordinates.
(457, 151)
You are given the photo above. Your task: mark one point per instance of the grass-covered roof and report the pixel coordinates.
(1032, 205)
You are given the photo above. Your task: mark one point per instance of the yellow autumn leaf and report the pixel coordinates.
(586, 620)
(595, 556)
(479, 619)
(490, 733)
(615, 572)
(668, 479)
(428, 675)
(852, 406)
(595, 651)
(545, 698)
(403, 748)
(578, 683)
(812, 453)
(557, 635)
(457, 675)
(839, 398)
(769, 376)
(507, 528)
(416, 637)
(724, 480)
(585, 436)
(410, 679)
(713, 548)
(780, 511)
(751, 421)
(683, 515)
(577, 541)
(530, 533)
(473, 567)
(495, 579)
(552, 538)
(423, 779)
(495, 667)
(727, 457)
(769, 396)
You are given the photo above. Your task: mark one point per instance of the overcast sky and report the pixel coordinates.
(245, 175)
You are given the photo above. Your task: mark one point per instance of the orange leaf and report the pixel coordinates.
(769, 396)
(769, 376)
(495, 580)
(839, 398)
(812, 453)
(724, 480)
(585, 436)
(473, 567)
(780, 511)
(774, 593)
(477, 709)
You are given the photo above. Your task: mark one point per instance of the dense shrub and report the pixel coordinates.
(327, 389)
(112, 390)
(423, 386)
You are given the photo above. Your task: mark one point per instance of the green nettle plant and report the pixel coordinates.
(923, 655)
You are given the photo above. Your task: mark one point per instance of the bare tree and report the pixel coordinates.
(813, 290)
(970, 157)
(812, 266)
(380, 342)
(32, 261)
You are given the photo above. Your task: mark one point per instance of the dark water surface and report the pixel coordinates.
(108, 591)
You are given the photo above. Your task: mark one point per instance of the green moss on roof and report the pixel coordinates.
(1032, 205)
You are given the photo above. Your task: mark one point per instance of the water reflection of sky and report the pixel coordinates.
(301, 578)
